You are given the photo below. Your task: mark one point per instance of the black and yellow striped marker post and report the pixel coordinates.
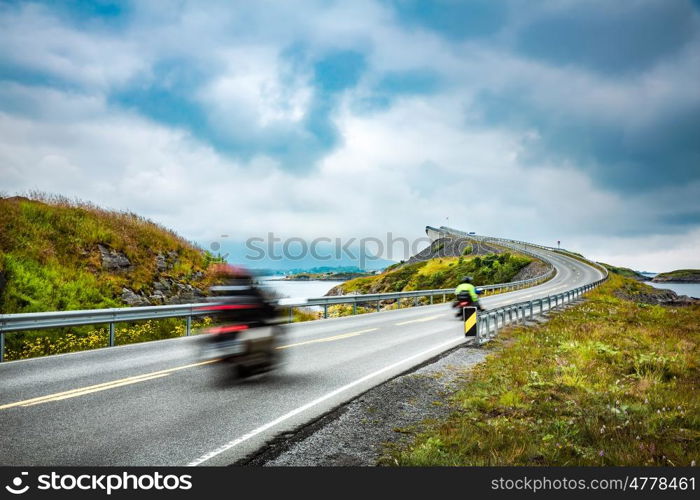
(469, 317)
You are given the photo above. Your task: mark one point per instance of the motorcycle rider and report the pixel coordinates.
(241, 301)
(467, 289)
(246, 329)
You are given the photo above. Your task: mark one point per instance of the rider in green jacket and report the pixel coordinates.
(466, 287)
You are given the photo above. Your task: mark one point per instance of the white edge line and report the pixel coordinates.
(287, 416)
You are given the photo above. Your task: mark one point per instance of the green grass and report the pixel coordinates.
(50, 259)
(607, 382)
(624, 271)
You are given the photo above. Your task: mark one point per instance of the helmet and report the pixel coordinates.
(467, 279)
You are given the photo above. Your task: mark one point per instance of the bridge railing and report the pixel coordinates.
(10, 323)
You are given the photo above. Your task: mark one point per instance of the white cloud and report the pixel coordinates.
(415, 163)
(36, 39)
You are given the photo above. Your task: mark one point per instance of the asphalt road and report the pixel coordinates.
(157, 404)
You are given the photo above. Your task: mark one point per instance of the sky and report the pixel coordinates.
(576, 121)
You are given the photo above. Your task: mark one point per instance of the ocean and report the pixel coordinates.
(297, 289)
(689, 289)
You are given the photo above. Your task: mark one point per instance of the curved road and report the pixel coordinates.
(156, 404)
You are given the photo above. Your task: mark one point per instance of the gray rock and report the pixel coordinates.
(132, 299)
(661, 296)
(163, 284)
(532, 270)
(113, 260)
(161, 263)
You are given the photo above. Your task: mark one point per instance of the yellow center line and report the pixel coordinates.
(419, 320)
(329, 339)
(60, 397)
(101, 387)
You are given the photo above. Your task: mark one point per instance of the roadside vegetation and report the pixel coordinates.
(443, 272)
(50, 260)
(610, 381)
(626, 272)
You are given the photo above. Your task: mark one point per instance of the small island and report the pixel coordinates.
(329, 276)
(679, 276)
(325, 273)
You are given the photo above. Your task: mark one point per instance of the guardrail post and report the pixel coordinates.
(379, 305)
(290, 314)
(444, 298)
(431, 300)
(354, 307)
(111, 334)
(325, 310)
(2, 347)
(188, 326)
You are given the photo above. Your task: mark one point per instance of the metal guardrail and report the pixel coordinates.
(34, 321)
(490, 322)
(377, 298)
(37, 321)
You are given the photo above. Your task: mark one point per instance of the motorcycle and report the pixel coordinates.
(242, 340)
(464, 300)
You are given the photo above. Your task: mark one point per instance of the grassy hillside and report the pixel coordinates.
(440, 273)
(62, 255)
(611, 381)
(50, 256)
(682, 275)
(626, 272)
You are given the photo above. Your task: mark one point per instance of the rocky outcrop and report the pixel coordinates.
(113, 260)
(453, 247)
(164, 291)
(130, 298)
(532, 270)
(335, 291)
(166, 261)
(661, 297)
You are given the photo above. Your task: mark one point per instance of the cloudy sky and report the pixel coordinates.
(554, 120)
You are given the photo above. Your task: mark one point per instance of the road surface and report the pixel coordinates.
(156, 403)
